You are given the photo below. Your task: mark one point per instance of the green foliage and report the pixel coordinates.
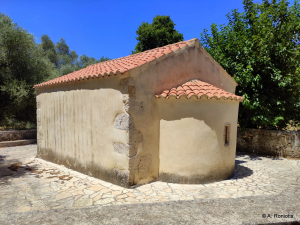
(85, 61)
(65, 60)
(159, 33)
(260, 49)
(66, 57)
(22, 64)
(62, 47)
(49, 49)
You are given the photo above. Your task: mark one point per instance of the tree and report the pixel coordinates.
(85, 61)
(66, 56)
(260, 49)
(62, 47)
(68, 61)
(22, 64)
(159, 33)
(49, 49)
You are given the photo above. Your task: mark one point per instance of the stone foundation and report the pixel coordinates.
(269, 142)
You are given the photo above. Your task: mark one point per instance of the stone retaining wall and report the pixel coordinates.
(269, 142)
(12, 135)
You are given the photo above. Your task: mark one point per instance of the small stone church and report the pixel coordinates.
(167, 114)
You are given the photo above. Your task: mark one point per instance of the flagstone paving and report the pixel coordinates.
(28, 183)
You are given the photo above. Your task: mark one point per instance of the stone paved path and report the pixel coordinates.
(28, 183)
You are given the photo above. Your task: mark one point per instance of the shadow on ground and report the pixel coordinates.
(13, 169)
(256, 157)
(241, 171)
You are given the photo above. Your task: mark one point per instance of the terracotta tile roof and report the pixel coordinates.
(198, 89)
(117, 66)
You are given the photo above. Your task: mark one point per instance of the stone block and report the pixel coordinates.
(140, 162)
(123, 149)
(134, 137)
(125, 97)
(131, 91)
(133, 106)
(124, 121)
(129, 81)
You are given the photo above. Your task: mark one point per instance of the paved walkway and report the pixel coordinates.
(227, 211)
(28, 184)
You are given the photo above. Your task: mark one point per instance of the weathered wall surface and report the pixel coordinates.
(12, 135)
(269, 142)
(152, 78)
(109, 128)
(192, 143)
(80, 125)
(138, 162)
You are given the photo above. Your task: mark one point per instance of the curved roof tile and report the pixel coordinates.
(199, 89)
